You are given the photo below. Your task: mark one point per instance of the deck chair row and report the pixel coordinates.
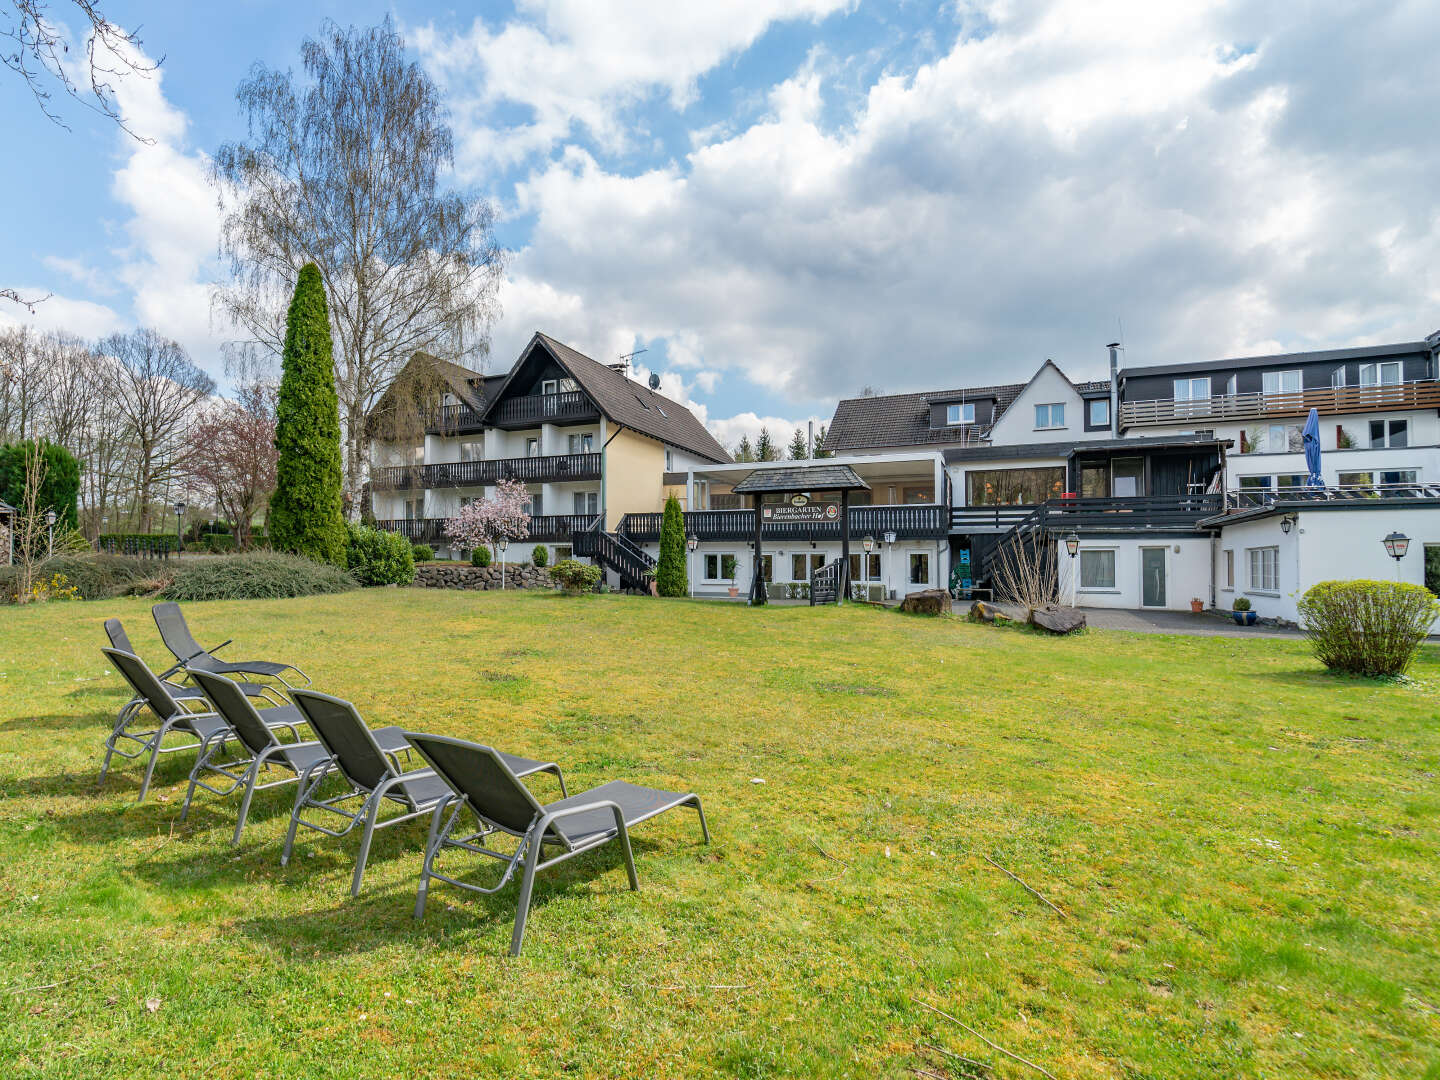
(465, 784)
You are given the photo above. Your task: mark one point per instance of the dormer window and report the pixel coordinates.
(960, 414)
(549, 386)
(1050, 416)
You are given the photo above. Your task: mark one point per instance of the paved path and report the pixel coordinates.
(1206, 624)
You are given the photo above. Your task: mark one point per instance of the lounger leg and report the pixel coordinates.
(432, 845)
(154, 757)
(704, 829)
(372, 811)
(303, 791)
(625, 846)
(527, 886)
(251, 776)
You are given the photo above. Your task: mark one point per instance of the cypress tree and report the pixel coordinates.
(671, 578)
(305, 512)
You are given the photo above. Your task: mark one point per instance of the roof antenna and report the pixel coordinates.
(623, 366)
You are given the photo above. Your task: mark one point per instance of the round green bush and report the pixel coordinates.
(480, 556)
(1367, 627)
(423, 552)
(255, 575)
(378, 558)
(575, 577)
(1242, 603)
(541, 555)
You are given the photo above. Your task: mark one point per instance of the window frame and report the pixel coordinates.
(1378, 373)
(1229, 569)
(1190, 383)
(960, 414)
(1279, 376)
(552, 384)
(921, 558)
(717, 559)
(1104, 405)
(1050, 407)
(1114, 559)
(1265, 559)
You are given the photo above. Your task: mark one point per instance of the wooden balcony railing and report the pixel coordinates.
(543, 527)
(455, 419)
(568, 407)
(551, 468)
(1328, 400)
(906, 522)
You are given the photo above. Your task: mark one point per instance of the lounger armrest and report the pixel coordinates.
(216, 649)
(551, 816)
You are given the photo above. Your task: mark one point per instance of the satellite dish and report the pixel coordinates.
(654, 381)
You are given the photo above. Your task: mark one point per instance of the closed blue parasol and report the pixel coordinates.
(1312, 450)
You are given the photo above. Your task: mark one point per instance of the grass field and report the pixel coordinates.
(1245, 850)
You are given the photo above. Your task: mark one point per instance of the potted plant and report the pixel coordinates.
(1241, 610)
(728, 567)
(1197, 605)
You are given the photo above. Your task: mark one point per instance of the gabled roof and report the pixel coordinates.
(628, 403)
(470, 387)
(904, 419)
(801, 478)
(6, 509)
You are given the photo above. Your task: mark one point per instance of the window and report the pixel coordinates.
(1192, 389)
(1230, 386)
(1432, 568)
(1357, 479)
(1129, 477)
(472, 450)
(915, 496)
(919, 568)
(1254, 483)
(563, 552)
(1099, 412)
(767, 567)
(1386, 374)
(1264, 569)
(797, 568)
(1050, 416)
(582, 444)
(1337, 377)
(865, 567)
(1389, 433)
(532, 447)
(549, 386)
(537, 504)
(960, 414)
(414, 509)
(586, 502)
(1229, 569)
(1274, 439)
(1013, 487)
(1280, 382)
(1097, 569)
(669, 460)
(720, 566)
(1400, 476)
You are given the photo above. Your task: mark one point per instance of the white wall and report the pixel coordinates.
(1187, 572)
(894, 563)
(1017, 426)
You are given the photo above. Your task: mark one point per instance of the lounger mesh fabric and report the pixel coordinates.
(175, 632)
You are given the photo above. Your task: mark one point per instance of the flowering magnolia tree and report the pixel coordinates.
(503, 513)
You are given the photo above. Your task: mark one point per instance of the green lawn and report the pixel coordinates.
(1245, 847)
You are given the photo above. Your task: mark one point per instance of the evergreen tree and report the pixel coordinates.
(305, 511)
(820, 450)
(743, 451)
(60, 488)
(765, 446)
(671, 578)
(798, 449)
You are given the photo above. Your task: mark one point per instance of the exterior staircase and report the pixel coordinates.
(616, 552)
(825, 584)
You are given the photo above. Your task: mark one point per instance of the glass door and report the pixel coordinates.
(1152, 577)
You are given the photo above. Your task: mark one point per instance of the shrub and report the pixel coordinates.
(480, 556)
(217, 543)
(305, 510)
(1242, 603)
(255, 576)
(93, 577)
(670, 576)
(1367, 627)
(575, 577)
(59, 490)
(541, 555)
(378, 558)
(422, 552)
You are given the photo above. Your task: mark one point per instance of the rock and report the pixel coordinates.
(981, 612)
(1058, 620)
(927, 602)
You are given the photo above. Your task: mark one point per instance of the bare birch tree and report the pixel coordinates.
(345, 170)
(23, 384)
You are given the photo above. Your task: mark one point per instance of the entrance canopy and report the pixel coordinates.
(801, 478)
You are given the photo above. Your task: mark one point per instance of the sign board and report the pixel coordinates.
(806, 511)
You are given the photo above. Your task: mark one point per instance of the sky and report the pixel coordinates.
(784, 201)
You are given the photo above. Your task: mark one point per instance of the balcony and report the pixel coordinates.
(1248, 499)
(455, 420)
(570, 407)
(553, 468)
(927, 522)
(543, 527)
(1328, 400)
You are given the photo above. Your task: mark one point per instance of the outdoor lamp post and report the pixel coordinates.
(179, 509)
(1396, 545)
(50, 527)
(691, 543)
(889, 537)
(1072, 546)
(500, 545)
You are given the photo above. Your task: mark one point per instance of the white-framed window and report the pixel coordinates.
(720, 565)
(865, 567)
(802, 566)
(1231, 385)
(1197, 389)
(1099, 411)
(582, 443)
(1280, 382)
(669, 460)
(586, 502)
(1400, 476)
(1264, 568)
(1097, 568)
(550, 386)
(1389, 433)
(472, 450)
(1274, 438)
(537, 504)
(1383, 374)
(1229, 568)
(960, 414)
(1050, 416)
(532, 447)
(563, 552)
(1337, 377)
(919, 568)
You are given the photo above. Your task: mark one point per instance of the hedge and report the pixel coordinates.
(378, 558)
(1367, 627)
(256, 575)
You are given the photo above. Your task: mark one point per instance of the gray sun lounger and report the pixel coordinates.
(373, 774)
(258, 749)
(182, 644)
(120, 640)
(174, 714)
(481, 782)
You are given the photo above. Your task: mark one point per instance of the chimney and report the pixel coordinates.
(621, 367)
(1114, 348)
(810, 442)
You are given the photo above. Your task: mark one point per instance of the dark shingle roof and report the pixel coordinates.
(627, 402)
(904, 419)
(1319, 356)
(1024, 451)
(801, 478)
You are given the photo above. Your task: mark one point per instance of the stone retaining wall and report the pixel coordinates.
(461, 576)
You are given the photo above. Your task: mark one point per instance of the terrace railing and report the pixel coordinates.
(532, 470)
(987, 519)
(571, 406)
(453, 419)
(543, 527)
(1328, 400)
(1249, 498)
(906, 522)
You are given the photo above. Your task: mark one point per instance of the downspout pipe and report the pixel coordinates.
(1114, 348)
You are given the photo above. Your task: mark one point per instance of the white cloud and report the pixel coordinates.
(82, 317)
(1191, 171)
